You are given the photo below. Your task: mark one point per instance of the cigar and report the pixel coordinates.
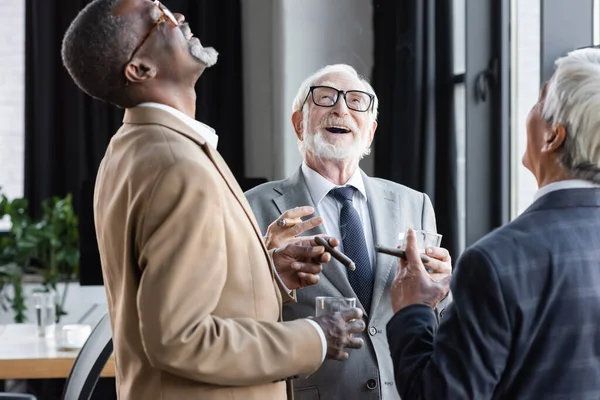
(335, 253)
(398, 253)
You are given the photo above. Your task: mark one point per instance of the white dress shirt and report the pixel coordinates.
(209, 134)
(206, 132)
(566, 184)
(329, 208)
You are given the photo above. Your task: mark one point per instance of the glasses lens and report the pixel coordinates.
(324, 96)
(167, 13)
(359, 101)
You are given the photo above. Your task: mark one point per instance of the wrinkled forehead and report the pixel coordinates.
(340, 81)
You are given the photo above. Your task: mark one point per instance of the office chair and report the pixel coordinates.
(89, 362)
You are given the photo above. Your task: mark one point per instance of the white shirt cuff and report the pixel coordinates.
(322, 335)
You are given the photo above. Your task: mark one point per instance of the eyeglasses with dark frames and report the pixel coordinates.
(165, 15)
(327, 96)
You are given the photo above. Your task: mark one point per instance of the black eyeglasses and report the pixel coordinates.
(165, 15)
(326, 96)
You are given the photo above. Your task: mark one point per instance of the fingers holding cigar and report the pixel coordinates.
(291, 220)
(335, 253)
(285, 229)
(398, 253)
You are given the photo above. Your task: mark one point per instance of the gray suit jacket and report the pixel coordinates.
(525, 319)
(368, 374)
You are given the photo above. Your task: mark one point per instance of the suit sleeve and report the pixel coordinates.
(465, 359)
(183, 256)
(428, 218)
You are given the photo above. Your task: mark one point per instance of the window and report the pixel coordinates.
(525, 85)
(12, 100)
(459, 109)
(596, 23)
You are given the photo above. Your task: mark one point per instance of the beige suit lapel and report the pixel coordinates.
(237, 191)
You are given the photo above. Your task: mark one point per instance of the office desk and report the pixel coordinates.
(24, 355)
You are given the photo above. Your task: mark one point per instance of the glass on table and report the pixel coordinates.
(45, 313)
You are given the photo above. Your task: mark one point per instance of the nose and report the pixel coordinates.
(341, 109)
(179, 17)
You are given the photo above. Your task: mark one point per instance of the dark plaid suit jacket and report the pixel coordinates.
(525, 322)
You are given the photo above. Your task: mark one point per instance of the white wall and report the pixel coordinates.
(12, 99)
(284, 41)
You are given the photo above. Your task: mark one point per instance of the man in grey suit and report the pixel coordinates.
(524, 323)
(334, 117)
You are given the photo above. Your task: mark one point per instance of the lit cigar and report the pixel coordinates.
(398, 253)
(335, 253)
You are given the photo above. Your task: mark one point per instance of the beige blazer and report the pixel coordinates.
(193, 303)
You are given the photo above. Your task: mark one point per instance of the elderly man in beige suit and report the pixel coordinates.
(194, 301)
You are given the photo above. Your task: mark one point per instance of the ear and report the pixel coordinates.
(138, 70)
(554, 138)
(372, 132)
(297, 121)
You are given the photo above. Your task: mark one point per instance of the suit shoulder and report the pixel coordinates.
(155, 147)
(263, 191)
(397, 188)
(510, 246)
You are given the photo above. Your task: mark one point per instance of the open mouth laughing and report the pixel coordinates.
(337, 129)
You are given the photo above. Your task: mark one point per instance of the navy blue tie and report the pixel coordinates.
(355, 246)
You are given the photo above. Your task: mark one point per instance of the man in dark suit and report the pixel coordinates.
(525, 319)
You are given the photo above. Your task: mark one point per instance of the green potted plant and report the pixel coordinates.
(47, 247)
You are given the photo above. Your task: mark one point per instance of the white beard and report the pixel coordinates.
(317, 145)
(206, 55)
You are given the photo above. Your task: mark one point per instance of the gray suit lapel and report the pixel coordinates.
(382, 204)
(294, 193)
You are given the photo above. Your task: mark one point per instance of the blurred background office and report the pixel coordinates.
(455, 80)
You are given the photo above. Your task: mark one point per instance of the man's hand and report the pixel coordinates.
(285, 229)
(299, 264)
(338, 328)
(440, 263)
(413, 285)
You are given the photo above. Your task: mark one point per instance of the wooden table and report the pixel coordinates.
(24, 355)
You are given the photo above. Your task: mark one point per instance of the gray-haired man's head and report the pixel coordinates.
(127, 51)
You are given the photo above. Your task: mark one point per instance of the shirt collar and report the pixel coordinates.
(205, 131)
(319, 187)
(566, 184)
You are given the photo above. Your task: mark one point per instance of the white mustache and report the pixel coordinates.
(341, 122)
(185, 29)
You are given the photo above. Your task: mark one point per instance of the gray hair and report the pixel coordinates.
(96, 48)
(329, 69)
(573, 100)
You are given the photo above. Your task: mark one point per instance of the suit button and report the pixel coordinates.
(371, 384)
(372, 331)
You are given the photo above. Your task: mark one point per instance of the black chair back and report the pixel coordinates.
(90, 362)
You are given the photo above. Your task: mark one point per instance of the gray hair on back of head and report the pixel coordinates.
(95, 49)
(573, 100)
